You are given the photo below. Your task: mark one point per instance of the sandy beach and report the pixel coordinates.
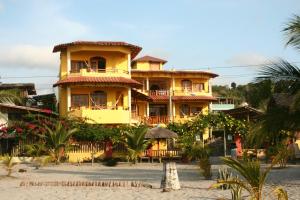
(193, 185)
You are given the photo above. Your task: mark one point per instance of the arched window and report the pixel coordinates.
(98, 64)
(186, 85)
(99, 100)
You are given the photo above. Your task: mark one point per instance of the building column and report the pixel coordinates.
(129, 63)
(170, 100)
(147, 110)
(68, 99)
(209, 87)
(147, 84)
(129, 103)
(68, 61)
(174, 111)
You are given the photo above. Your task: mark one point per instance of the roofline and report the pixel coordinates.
(175, 72)
(135, 50)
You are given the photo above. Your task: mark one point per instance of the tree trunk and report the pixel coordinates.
(170, 179)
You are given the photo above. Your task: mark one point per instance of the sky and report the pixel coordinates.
(233, 38)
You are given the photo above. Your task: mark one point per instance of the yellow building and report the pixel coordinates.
(102, 82)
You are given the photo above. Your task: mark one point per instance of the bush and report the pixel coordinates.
(110, 162)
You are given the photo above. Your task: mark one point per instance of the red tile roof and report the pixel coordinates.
(193, 98)
(150, 58)
(183, 98)
(160, 98)
(96, 80)
(170, 72)
(26, 108)
(133, 48)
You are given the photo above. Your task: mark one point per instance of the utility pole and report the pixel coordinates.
(225, 149)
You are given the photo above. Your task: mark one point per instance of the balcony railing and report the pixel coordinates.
(90, 70)
(158, 120)
(159, 92)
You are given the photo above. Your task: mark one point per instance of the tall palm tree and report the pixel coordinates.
(135, 142)
(286, 76)
(57, 140)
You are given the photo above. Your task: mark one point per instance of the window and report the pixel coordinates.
(198, 87)
(185, 110)
(196, 110)
(79, 100)
(76, 65)
(98, 100)
(98, 64)
(186, 85)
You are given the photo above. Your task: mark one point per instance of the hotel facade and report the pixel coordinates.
(105, 83)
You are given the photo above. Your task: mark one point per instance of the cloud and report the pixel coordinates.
(248, 59)
(28, 56)
(1, 6)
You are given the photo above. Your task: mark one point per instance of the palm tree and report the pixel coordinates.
(292, 31)
(57, 140)
(135, 142)
(254, 177)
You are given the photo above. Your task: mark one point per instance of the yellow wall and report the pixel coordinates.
(179, 119)
(103, 116)
(110, 91)
(144, 65)
(162, 144)
(62, 101)
(178, 85)
(116, 57)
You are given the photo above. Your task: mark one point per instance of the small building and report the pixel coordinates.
(222, 103)
(26, 89)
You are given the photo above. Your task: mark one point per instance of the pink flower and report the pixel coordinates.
(19, 130)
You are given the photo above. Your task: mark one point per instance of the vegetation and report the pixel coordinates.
(254, 177)
(57, 140)
(10, 96)
(8, 162)
(135, 142)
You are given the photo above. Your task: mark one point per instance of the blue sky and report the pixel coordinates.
(190, 34)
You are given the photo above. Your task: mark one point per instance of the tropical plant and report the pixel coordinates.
(39, 153)
(292, 31)
(254, 177)
(8, 162)
(10, 96)
(202, 153)
(135, 142)
(57, 140)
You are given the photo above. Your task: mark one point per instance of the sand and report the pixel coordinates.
(193, 185)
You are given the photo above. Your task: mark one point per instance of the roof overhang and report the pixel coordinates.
(133, 48)
(81, 80)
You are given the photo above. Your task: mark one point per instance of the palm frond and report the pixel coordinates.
(279, 71)
(292, 30)
(10, 96)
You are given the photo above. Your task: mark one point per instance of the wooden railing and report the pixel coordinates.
(159, 93)
(158, 120)
(162, 153)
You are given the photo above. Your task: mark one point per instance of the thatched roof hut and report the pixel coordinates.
(160, 133)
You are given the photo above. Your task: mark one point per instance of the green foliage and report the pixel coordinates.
(110, 162)
(8, 162)
(12, 96)
(95, 132)
(254, 177)
(135, 142)
(57, 140)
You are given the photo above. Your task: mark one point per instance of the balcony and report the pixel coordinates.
(159, 93)
(110, 72)
(103, 116)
